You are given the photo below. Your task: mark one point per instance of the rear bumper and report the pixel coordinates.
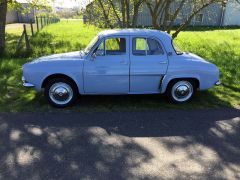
(26, 84)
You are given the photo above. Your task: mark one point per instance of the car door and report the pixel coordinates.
(149, 64)
(107, 71)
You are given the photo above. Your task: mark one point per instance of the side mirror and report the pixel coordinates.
(93, 57)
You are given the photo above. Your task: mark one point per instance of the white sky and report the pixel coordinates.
(65, 3)
(70, 3)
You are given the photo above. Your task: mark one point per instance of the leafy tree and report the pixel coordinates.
(112, 13)
(164, 13)
(13, 4)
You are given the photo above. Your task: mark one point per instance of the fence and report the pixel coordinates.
(30, 30)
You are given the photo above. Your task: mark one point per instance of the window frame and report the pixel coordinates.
(199, 14)
(104, 42)
(149, 37)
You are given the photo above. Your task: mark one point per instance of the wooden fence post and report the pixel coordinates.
(26, 38)
(37, 23)
(31, 24)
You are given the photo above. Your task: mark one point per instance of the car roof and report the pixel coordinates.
(140, 32)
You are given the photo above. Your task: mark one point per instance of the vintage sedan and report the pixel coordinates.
(130, 61)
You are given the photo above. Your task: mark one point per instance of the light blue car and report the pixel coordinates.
(131, 61)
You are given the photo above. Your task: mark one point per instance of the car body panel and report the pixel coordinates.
(107, 74)
(123, 74)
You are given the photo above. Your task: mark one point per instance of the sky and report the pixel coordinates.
(65, 3)
(70, 3)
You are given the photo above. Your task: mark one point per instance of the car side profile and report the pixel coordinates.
(128, 61)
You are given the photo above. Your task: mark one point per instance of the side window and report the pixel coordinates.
(115, 46)
(154, 47)
(140, 46)
(143, 47)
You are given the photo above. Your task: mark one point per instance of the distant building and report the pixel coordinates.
(232, 13)
(215, 14)
(15, 16)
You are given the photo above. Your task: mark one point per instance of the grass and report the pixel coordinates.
(221, 47)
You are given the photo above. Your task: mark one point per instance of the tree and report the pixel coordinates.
(4, 4)
(164, 14)
(112, 13)
(3, 13)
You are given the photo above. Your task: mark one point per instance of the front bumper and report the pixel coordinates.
(26, 84)
(218, 83)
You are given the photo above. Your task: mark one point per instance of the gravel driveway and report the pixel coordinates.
(176, 144)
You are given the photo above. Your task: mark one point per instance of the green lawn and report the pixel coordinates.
(221, 47)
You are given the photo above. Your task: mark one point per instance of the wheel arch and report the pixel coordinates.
(59, 75)
(169, 81)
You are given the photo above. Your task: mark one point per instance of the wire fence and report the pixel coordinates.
(31, 29)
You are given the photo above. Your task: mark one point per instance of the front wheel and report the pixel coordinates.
(181, 91)
(60, 92)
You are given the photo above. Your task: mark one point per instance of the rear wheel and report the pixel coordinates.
(181, 91)
(60, 92)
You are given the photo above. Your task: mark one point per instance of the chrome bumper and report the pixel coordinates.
(218, 83)
(26, 84)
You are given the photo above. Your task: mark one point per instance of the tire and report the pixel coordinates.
(181, 91)
(60, 92)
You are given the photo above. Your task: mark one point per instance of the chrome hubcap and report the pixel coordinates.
(182, 91)
(60, 93)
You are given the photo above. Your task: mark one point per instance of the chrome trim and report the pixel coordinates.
(182, 91)
(218, 83)
(26, 84)
(60, 93)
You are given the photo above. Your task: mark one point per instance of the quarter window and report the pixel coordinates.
(146, 46)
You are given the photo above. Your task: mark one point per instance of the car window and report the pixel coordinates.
(140, 46)
(146, 46)
(115, 46)
(154, 47)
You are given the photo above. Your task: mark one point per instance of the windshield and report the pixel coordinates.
(176, 47)
(90, 45)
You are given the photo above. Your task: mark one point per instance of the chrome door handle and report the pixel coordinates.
(124, 62)
(163, 62)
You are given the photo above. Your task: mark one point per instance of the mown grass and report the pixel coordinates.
(221, 47)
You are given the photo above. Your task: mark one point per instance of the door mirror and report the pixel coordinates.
(99, 52)
(93, 57)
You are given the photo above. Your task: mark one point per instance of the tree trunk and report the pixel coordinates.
(153, 12)
(136, 7)
(123, 13)
(187, 22)
(107, 21)
(128, 12)
(3, 13)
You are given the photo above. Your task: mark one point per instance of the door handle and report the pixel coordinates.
(124, 62)
(163, 62)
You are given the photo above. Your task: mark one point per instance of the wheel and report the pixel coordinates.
(181, 91)
(60, 92)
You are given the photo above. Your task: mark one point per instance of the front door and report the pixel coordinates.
(108, 71)
(149, 64)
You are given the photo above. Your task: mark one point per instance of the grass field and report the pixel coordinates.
(221, 47)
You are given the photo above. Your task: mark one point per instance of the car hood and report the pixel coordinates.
(63, 56)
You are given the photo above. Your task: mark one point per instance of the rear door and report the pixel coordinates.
(149, 64)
